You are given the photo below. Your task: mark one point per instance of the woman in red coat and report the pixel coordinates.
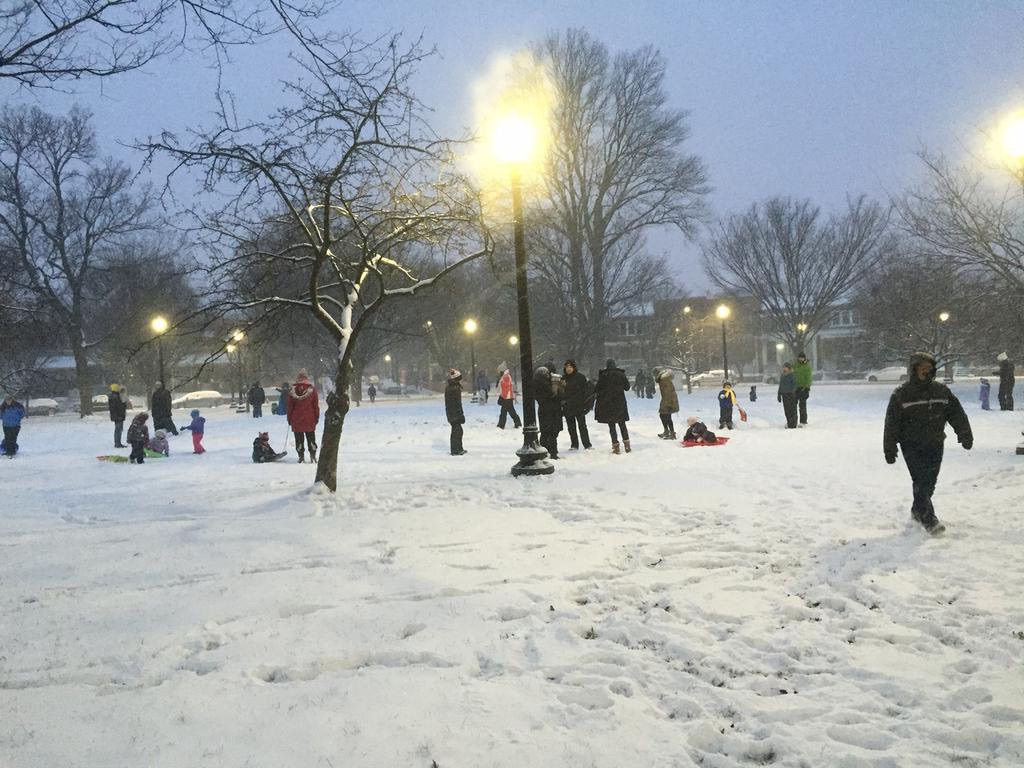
(303, 414)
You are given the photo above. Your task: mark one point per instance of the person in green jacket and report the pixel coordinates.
(804, 376)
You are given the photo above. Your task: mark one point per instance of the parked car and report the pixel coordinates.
(42, 406)
(204, 398)
(713, 378)
(895, 373)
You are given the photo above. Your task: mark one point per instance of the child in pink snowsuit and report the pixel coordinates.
(197, 427)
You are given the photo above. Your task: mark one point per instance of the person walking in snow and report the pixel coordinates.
(1007, 380)
(160, 406)
(804, 376)
(574, 405)
(984, 394)
(117, 405)
(549, 410)
(304, 415)
(915, 420)
(453, 410)
(256, 398)
(507, 400)
(639, 383)
(726, 402)
(610, 407)
(138, 437)
(483, 385)
(371, 392)
(198, 428)
(11, 414)
(669, 402)
(787, 395)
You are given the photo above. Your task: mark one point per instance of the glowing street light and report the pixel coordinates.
(722, 313)
(238, 335)
(470, 327)
(1013, 137)
(513, 340)
(387, 358)
(160, 325)
(515, 142)
(802, 327)
(687, 309)
(943, 317)
(780, 346)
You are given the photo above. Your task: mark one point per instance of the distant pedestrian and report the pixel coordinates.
(282, 399)
(507, 400)
(483, 385)
(984, 394)
(356, 391)
(11, 414)
(804, 375)
(453, 411)
(549, 410)
(1007, 380)
(639, 383)
(915, 420)
(575, 406)
(669, 402)
(138, 437)
(117, 405)
(753, 393)
(160, 406)
(198, 429)
(726, 402)
(371, 392)
(610, 407)
(303, 415)
(256, 398)
(787, 395)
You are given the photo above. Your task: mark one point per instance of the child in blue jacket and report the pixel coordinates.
(11, 413)
(197, 428)
(726, 401)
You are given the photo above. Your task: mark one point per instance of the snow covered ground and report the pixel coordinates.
(762, 603)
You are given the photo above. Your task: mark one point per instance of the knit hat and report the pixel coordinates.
(726, 384)
(264, 436)
(1001, 357)
(454, 374)
(161, 433)
(691, 421)
(801, 356)
(141, 417)
(115, 387)
(303, 375)
(609, 363)
(194, 413)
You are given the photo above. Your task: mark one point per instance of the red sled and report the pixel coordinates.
(743, 414)
(698, 444)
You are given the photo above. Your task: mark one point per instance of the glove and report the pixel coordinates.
(890, 458)
(967, 443)
(780, 398)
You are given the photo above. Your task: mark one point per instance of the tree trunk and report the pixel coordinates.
(334, 420)
(83, 381)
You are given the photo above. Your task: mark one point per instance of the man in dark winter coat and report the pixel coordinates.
(574, 405)
(610, 408)
(256, 399)
(1007, 379)
(916, 419)
(160, 405)
(549, 410)
(117, 404)
(453, 410)
(788, 394)
(804, 377)
(639, 382)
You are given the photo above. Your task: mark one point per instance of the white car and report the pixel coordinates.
(712, 378)
(896, 373)
(42, 406)
(204, 398)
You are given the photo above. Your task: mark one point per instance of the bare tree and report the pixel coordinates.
(367, 195)
(616, 170)
(42, 44)
(797, 266)
(63, 212)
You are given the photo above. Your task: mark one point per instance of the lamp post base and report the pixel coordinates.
(533, 460)
(1020, 449)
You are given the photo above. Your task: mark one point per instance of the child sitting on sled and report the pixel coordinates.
(262, 453)
(157, 447)
(697, 433)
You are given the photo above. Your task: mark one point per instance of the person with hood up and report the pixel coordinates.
(304, 415)
(610, 407)
(787, 395)
(371, 392)
(669, 402)
(574, 405)
(282, 398)
(117, 405)
(697, 432)
(262, 453)
(1007, 380)
(639, 382)
(507, 400)
(915, 420)
(804, 376)
(549, 410)
(11, 414)
(160, 405)
(984, 393)
(483, 385)
(257, 397)
(157, 445)
(453, 410)
(726, 402)
(138, 437)
(198, 428)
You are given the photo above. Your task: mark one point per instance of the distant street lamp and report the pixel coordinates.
(470, 328)
(514, 143)
(160, 325)
(723, 313)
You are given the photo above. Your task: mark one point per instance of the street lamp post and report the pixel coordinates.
(470, 327)
(513, 341)
(159, 325)
(723, 313)
(238, 337)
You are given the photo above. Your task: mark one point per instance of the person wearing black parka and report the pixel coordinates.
(453, 410)
(574, 405)
(611, 408)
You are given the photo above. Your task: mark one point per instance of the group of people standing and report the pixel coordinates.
(794, 390)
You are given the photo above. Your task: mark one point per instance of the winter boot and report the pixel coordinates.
(625, 444)
(663, 435)
(312, 455)
(302, 455)
(615, 447)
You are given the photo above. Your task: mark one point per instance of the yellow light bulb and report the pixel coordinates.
(514, 139)
(1013, 137)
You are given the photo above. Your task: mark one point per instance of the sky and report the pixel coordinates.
(808, 99)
